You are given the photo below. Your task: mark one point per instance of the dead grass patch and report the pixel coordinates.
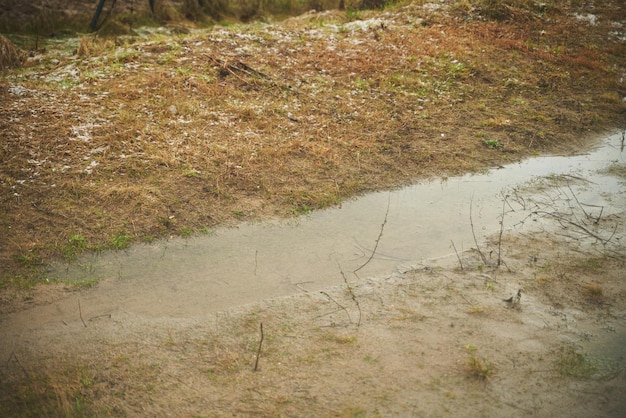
(168, 133)
(10, 55)
(594, 293)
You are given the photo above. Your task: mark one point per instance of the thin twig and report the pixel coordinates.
(256, 259)
(567, 221)
(338, 304)
(13, 355)
(326, 314)
(380, 234)
(508, 204)
(356, 302)
(302, 288)
(613, 234)
(80, 312)
(482, 256)
(164, 250)
(501, 231)
(457, 254)
(100, 316)
(258, 353)
(578, 202)
(597, 221)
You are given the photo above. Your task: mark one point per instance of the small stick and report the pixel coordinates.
(256, 258)
(599, 216)
(80, 312)
(356, 302)
(258, 353)
(13, 355)
(301, 288)
(482, 256)
(501, 230)
(380, 234)
(338, 304)
(612, 235)
(100, 316)
(457, 254)
(326, 314)
(576, 198)
(567, 221)
(164, 250)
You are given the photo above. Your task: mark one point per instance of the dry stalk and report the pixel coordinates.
(14, 356)
(501, 231)
(80, 313)
(380, 234)
(256, 261)
(352, 295)
(457, 255)
(562, 220)
(338, 304)
(482, 256)
(258, 353)
(10, 56)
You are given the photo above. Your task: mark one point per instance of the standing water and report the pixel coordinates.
(384, 232)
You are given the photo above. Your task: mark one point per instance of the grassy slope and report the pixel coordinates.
(140, 137)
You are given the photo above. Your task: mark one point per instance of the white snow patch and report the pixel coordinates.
(586, 17)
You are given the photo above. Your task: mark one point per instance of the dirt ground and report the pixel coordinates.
(109, 142)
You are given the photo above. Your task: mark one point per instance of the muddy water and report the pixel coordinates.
(235, 266)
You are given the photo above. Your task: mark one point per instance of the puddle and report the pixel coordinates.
(235, 266)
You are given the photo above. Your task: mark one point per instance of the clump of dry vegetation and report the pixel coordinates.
(10, 55)
(593, 292)
(165, 133)
(477, 367)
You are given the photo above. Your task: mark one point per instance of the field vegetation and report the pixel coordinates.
(174, 122)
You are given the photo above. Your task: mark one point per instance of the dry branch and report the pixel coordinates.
(562, 219)
(338, 304)
(482, 256)
(356, 302)
(14, 356)
(380, 234)
(501, 231)
(80, 313)
(258, 353)
(457, 254)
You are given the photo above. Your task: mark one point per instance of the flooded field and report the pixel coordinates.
(369, 294)
(378, 234)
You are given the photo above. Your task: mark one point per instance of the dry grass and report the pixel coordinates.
(593, 292)
(10, 56)
(166, 134)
